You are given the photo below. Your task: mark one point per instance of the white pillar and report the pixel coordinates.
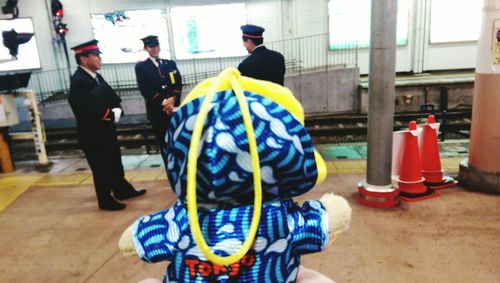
(481, 172)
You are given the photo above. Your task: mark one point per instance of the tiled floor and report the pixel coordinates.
(68, 172)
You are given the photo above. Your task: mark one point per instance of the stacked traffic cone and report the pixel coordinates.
(410, 181)
(431, 162)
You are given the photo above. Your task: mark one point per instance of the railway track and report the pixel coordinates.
(327, 126)
(336, 128)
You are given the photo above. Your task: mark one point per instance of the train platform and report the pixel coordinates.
(429, 78)
(52, 230)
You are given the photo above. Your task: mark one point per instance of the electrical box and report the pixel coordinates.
(8, 111)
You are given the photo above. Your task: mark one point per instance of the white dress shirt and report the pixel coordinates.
(155, 61)
(92, 74)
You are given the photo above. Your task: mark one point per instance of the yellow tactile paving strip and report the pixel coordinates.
(148, 175)
(162, 177)
(88, 181)
(70, 179)
(131, 174)
(450, 164)
(346, 166)
(12, 186)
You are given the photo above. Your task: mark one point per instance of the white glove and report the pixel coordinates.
(118, 114)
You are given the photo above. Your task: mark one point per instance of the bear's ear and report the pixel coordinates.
(321, 166)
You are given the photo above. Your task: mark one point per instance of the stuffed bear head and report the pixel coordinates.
(288, 163)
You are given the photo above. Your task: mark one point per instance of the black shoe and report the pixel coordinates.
(111, 205)
(130, 194)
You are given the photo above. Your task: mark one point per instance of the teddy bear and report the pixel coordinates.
(237, 152)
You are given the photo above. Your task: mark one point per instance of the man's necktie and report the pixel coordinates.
(158, 61)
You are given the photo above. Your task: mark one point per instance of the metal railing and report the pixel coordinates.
(309, 53)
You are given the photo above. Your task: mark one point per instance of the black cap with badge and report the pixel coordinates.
(150, 41)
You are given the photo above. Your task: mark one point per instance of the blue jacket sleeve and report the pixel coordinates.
(156, 236)
(309, 228)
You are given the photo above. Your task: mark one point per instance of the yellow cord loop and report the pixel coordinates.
(230, 75)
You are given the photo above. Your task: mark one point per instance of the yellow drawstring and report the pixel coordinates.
(232, 75)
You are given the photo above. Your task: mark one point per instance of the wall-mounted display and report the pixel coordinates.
(18, 47)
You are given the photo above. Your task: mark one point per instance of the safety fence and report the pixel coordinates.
(303, 54)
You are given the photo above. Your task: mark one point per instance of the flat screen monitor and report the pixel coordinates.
(18, 47)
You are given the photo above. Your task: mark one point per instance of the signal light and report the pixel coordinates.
(11, 8)
(57, 8)
(57, 14)
(61, 29)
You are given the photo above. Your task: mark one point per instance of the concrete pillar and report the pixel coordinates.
(481, 172)
(377, 190)
(381, 91)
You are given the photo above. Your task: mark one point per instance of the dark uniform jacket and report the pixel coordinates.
(264, 64)
(91, 103)
(157, 84)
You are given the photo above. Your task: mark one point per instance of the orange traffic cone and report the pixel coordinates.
(6, 165)
(410, 182)
(431, 162)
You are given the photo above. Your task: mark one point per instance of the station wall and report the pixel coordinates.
(283, 19)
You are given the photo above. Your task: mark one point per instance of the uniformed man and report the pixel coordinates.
(263, 63)
(160, 83)
(97, 109)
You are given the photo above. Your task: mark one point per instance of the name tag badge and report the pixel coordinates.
(172, 78)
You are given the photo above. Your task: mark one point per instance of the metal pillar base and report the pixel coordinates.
(38, 131)
(44, 167)
(377, 196)
(477, 180)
